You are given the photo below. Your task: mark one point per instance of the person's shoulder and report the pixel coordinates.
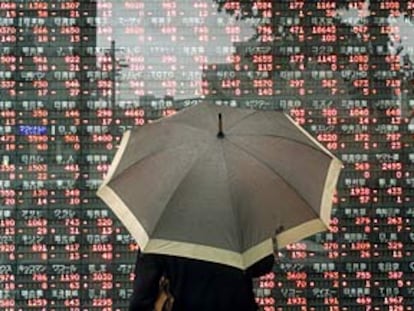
(152, 257)
(195, 263)
(261, 267)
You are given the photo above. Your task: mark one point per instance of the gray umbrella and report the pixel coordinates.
(186, 186)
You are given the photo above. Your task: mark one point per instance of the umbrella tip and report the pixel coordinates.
(220, 133)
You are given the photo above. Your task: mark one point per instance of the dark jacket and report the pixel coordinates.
(196, 285)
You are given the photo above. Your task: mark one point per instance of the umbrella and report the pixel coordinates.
(214, 183)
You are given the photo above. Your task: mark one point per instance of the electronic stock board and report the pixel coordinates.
(76, 74)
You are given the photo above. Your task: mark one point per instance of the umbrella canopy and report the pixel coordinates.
(186, 186)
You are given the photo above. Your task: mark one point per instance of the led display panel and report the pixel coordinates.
(76, 74)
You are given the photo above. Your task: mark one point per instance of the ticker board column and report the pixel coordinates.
(8, 158)
(34, 84)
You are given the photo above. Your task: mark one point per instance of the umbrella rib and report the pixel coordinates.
(158, 150)
(234, 209)
(288, 139)
(279, 136)
(178, 184)
(183, 123)
(277, 174)
(133, 164)
(253, 112)
(136, 163)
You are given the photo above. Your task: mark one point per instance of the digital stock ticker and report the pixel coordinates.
(76, 74)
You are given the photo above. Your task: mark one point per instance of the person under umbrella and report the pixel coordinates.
(196, 284)
(184, 190)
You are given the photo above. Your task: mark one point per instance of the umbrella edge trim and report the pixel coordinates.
(331, 180)
(121, 210)
(234, 259)
(209, 253)
(117, 158)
